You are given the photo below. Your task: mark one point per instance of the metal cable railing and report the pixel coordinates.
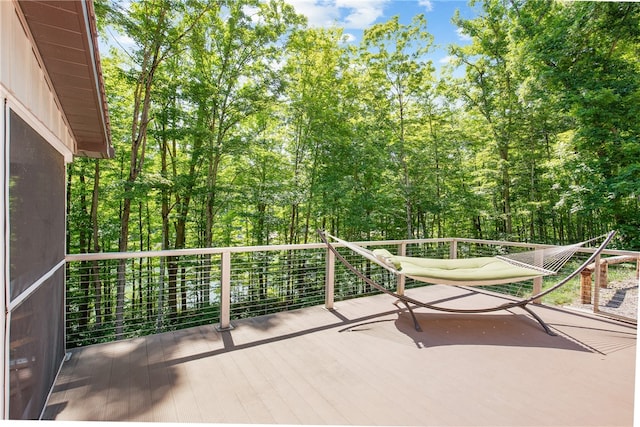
(167, 290)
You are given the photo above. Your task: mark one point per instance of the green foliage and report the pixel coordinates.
(236, 124)
(367, 140)
(255, 119)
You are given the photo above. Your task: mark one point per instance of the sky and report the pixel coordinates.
(356, 15)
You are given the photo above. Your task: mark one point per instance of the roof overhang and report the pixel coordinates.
(66, 38)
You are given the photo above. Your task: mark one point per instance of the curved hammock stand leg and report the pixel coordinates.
(413, 316)
(535, 316)
(522, 303)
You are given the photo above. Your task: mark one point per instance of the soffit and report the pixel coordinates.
(66, 38)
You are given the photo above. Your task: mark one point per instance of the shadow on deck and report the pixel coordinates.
(363, 364)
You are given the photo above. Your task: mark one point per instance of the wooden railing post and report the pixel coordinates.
(402, 251)
(585, 286)
(537, 282)
(225, 293)
(330, 280)
(453, 249)
(604, 274)
(596, 287)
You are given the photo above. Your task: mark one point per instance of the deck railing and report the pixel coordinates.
(166, 290)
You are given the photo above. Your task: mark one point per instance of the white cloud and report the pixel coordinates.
(319, 14)
(351, 14)
(361, 14)
(123, 41)
(462, 36)
(348, 38)
(445, 60)
(427, 4)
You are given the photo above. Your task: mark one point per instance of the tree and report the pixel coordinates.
(315, 120)
(588, 57)
(489, 90)
(157, 28)
(393, 55)
(233, 53)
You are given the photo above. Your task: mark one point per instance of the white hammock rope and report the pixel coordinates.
(365, 253)
(548, 261)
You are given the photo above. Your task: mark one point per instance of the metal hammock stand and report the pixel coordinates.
(528, 265)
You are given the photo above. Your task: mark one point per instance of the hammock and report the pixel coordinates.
(480, 271)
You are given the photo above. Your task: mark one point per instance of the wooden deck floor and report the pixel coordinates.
(363, 364)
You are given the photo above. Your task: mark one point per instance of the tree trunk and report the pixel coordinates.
(122, 267)
(95, 270)
(142, 103)
(83, 306)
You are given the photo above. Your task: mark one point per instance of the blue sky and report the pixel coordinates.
(356, 15)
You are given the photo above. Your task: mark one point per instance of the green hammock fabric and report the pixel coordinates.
(454, 270)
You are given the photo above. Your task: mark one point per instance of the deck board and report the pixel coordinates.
(363, 364)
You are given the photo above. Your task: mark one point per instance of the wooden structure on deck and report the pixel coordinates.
(601, 269)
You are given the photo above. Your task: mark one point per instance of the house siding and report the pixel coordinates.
(32, 345)
(23, 77)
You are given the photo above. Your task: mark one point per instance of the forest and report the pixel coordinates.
(236, 123)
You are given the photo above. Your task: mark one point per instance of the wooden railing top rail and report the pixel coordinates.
(241, 249)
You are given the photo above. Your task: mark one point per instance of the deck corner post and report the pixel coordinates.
(330, 279)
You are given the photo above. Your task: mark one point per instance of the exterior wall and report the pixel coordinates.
(23, 77)
(27, 97)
